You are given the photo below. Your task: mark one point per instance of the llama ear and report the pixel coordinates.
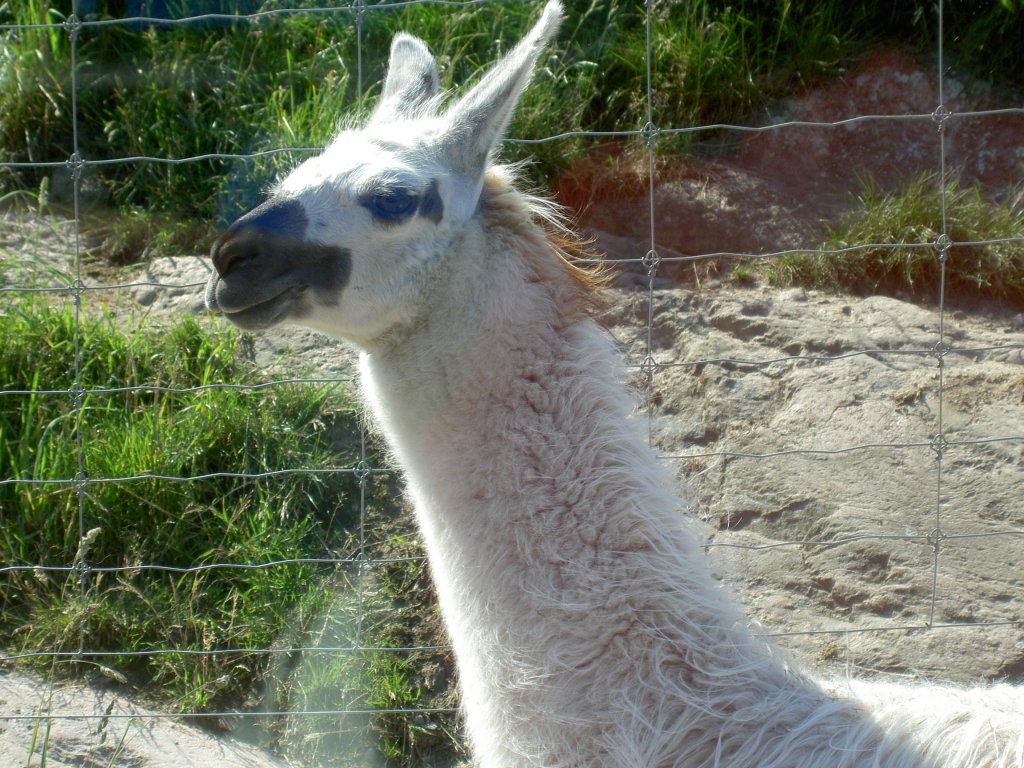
(477, 122)
(411, 81)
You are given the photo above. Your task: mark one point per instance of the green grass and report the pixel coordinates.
(148, 520)
(289, 80)
(985, 263)
(200, 429)
(396, 609)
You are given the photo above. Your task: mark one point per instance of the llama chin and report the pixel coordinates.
(587, 627)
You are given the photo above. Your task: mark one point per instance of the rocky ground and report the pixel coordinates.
(806, 428)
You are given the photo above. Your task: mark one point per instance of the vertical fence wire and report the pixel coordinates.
(650, 259)
(649, 133)
(75, 164)
(940, 254)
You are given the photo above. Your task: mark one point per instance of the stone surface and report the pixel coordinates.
(803, 428)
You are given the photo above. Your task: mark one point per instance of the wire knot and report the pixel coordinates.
(72, 25)
(940, 116)
(362, 471)
(77, 395)
(648, 367)
(75, 164)
(649, 133)
(651, 260)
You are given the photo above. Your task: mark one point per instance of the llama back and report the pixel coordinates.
(979, 727)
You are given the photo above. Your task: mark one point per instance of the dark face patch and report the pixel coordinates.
(267, 272)
(431, 204)
(285, 218)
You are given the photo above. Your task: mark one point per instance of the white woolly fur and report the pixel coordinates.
(587, 626)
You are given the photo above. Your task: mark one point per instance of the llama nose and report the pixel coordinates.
(233, 247)
(248, 236)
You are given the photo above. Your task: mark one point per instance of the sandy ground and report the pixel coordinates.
(126, 734)
(803, 429)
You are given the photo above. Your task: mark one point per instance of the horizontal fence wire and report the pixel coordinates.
(80, 290)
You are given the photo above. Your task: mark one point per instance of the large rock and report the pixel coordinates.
(805, 428)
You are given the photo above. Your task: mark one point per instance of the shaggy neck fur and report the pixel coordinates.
(587, 627)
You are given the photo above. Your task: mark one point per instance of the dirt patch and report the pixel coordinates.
(804, 429)
(127, 734)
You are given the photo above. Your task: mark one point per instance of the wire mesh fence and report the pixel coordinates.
(367, 558)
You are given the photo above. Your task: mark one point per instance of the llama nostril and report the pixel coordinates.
(232, 248)
(219, 257)
(221, 254)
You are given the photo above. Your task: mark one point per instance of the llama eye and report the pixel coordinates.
(392, 204)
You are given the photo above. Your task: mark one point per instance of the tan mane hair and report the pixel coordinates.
(512, 208)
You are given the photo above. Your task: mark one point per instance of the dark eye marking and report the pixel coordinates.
(390, 204)
(396, 204)
(431, 205)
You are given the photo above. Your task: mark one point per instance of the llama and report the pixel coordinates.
(587, 628)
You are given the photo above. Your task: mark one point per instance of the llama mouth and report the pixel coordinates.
(256, 316)
(260, 279)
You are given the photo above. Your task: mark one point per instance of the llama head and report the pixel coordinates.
(349, 240)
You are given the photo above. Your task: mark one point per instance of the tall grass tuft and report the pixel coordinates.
(984, 263)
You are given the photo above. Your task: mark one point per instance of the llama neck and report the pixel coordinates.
(558, 551)
(586, 625)
(513, 411)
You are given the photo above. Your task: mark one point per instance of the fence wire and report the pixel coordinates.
(648, 369)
